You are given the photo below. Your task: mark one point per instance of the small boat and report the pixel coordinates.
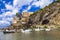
(9, 31)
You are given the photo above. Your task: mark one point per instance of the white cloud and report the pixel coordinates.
(19, 3)
(42, 3)
(15, 2)
(10, 13)
(4, 24)
(7, 17)
(9, 7)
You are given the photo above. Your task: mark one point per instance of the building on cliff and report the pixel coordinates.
(25, 17)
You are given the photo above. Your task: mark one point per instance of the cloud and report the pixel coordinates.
(19, 3)
(9, 7)
(6, 18)
(4, 24)
(11, 13)
(38, 3)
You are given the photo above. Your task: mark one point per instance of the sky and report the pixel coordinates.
(9, 8)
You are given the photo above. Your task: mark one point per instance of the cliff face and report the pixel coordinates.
(20, 21)
(49, 15)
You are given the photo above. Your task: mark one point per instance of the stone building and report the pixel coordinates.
(25, 17)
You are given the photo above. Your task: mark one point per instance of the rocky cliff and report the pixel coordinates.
(50, 15)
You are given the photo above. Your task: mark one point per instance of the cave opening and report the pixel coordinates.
(46, 21)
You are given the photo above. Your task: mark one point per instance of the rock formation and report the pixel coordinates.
(50, 15)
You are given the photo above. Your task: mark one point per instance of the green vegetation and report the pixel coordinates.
(45, 26)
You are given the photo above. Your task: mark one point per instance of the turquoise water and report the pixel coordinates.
(42, 35)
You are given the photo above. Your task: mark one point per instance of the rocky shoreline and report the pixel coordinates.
(29, 29)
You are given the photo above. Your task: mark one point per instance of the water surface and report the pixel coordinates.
(42, 35)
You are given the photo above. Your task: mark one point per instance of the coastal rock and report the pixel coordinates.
(50, 15)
